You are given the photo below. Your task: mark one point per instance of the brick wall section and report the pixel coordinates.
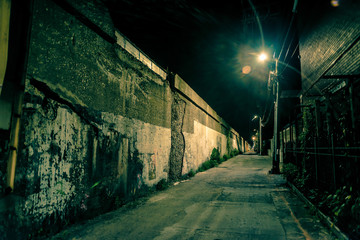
(326, 33)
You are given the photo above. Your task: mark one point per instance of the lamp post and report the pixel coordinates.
(275, 167)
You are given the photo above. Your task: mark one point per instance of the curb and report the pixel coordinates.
(323, 218)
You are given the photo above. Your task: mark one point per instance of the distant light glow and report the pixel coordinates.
(334, 3)
(246, 70)
(253, 138)
(262, 57)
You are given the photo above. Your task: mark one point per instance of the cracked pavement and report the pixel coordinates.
(239, 199)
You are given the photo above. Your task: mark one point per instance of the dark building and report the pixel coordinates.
(323, 141)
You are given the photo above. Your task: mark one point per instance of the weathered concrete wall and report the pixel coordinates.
(95, 124)
(203, 129)
(100, 126)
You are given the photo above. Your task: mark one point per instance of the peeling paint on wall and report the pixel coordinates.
(69, 166)
(98, 126)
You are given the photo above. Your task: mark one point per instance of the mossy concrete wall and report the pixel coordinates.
(99, 125)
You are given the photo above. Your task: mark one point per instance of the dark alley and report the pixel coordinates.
(239, 199)
(181, 119)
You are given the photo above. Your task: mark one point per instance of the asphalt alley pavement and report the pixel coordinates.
(239, 199)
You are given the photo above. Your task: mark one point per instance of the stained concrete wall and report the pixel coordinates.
(100, 125)
(203, 129)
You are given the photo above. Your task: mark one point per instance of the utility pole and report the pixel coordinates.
(276, 166)
(260, 139)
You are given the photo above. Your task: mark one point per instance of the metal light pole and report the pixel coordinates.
(276, 166)
(260, 139)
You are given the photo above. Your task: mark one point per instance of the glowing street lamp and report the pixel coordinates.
(263, 57)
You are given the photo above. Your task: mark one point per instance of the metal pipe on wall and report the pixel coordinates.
(5, 8)
(14, 141)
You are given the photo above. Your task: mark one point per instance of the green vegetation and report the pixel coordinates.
(234, 152)
(299, 178)
(207, 165)
(162, 185)
(215, 159)
(341, 202)
(191, 173)
(342, 206)
(215, 154)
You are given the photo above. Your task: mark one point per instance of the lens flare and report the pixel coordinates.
(246, 70)
(334, 3)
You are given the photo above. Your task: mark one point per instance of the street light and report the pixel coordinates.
(276, 166)
(262, 57)
(254, 142)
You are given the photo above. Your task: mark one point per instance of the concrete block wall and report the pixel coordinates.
(100, 126)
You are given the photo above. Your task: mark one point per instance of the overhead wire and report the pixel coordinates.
(258, 22)
(287, 51)
(264, 123)
(267, 103)
(282, 49)
(283, 45)
(288, 30)
(287, 34)
(290, 44)
(292, 55)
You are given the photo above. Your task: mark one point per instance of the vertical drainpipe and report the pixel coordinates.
(14, 139)
(25, 13)
(5, 7)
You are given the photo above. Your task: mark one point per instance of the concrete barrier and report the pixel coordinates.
(100, 124)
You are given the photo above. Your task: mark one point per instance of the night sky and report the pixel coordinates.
(208, 43)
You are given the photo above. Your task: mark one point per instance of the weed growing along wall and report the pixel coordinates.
(100, 126)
